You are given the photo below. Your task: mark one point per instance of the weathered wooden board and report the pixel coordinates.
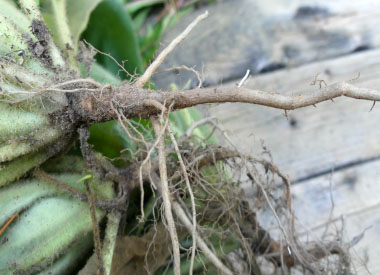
(268, 35)
(313, 140)
(355, 194)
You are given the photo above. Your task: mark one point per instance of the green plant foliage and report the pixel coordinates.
(118, 37)
(78, 15)
(16, 122)
(102, 75)
(9, 8)
(133, 7)
(110, 30)
(69, 261)
(53, 228)
(107, 139)
(67, 19)
(50, 222)
(183, 119)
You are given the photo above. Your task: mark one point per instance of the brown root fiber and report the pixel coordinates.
(226, 218)
(215, 173)
(225, 214)
(97, 106)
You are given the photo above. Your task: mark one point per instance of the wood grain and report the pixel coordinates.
(341, 135)
(312, 140)
(268, 35)
(355, 195)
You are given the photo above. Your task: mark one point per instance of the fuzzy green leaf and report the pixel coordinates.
(100, 74)
(75, 13)
(49, 224)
